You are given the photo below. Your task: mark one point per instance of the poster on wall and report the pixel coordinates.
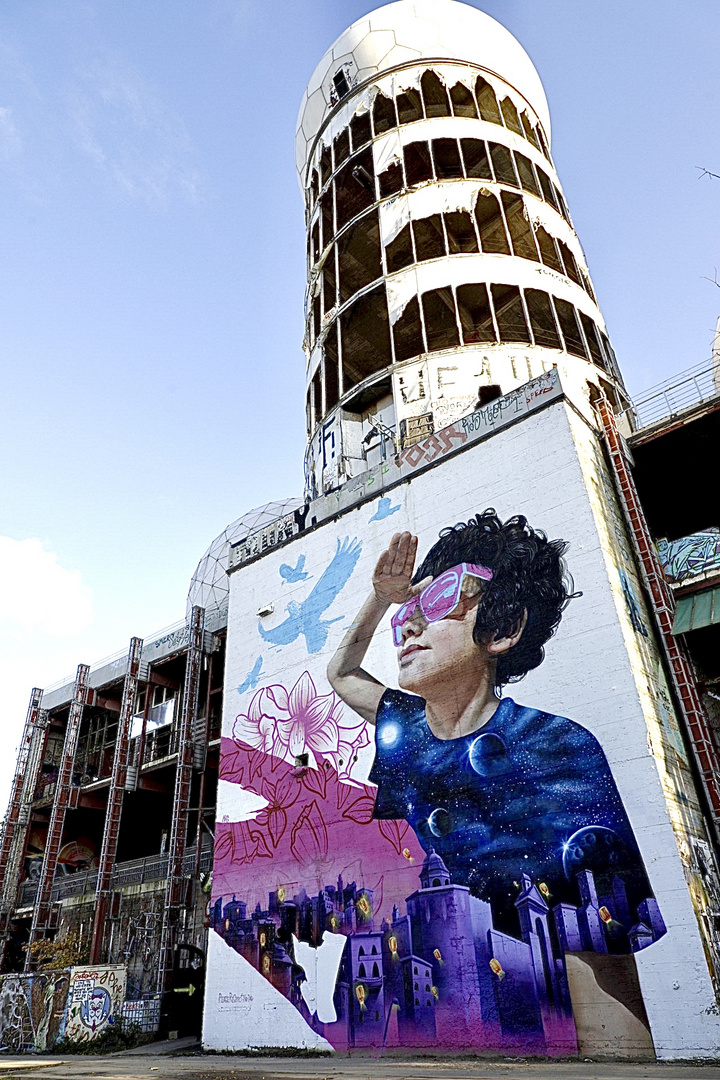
(95, 999)
(436, 776)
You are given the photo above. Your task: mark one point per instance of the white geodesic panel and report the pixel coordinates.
(209, 585)
(426, 30)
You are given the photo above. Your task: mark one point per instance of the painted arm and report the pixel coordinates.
(391, 585)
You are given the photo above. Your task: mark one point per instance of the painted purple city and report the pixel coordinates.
(439, 974)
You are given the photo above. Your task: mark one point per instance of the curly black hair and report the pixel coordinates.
(529, 575)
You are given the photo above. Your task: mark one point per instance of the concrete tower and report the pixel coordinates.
(443, 266)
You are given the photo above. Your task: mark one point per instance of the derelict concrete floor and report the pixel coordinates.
(156, 1062)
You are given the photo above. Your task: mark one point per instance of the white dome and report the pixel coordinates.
(417, 30)
(209, 585)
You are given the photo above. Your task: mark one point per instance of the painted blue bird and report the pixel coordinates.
(252, 678)
(295, 573)
(305, 617)
(385, 509)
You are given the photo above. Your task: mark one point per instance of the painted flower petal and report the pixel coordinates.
(301, 694)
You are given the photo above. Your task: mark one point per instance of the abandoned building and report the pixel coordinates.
(455, 352)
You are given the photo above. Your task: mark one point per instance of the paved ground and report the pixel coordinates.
(157, 1062)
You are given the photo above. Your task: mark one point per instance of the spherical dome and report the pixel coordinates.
(422, 30)
(209, 586)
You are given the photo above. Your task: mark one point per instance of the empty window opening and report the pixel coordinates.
(503, 165)
(314, 186)
(592, 338)
(325, 165)
(562, 204)
(460, 231)
(316, 397)
(510, 313)
(446, 156)
(341, 147)
(383, 114)
(548, 250)
(487, 102)
(341, 84)
(440, 321)
(391, 181)
(316, 317)
(463, 103)
(488, 393)
(315, 243)
(407, 332)
(542, 319)
(567, 318)
(571, 267)
(409, 106)
(611, 359)
(429, 238)
(418, 166)
(360, 130)
(543, 143)
(475, 314)
(365, 337)
(547, 189)
(330, 363)
(521, 233)
(329, 282)
(528, 180)
(529, 130)
(326, 213)
(399, 252)
(354, 187)
(359, 256)
(477, 163)
(510, 116)
(434, 95)
(587, 286)
(491, 227)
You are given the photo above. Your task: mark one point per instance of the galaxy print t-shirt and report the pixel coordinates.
(527, 793)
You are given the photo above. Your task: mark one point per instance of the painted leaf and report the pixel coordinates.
(361, 810)
(393, 831)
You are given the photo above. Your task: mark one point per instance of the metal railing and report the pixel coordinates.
(686, 389)
(134, 872)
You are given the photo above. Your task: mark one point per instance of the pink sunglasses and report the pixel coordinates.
(439, 599)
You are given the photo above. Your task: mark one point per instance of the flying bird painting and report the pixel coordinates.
(385, 509)
(295, 573)
(251, 679)
(305, 617)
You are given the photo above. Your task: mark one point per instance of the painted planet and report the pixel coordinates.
(488, 755)
(595, 848)
(440, 822)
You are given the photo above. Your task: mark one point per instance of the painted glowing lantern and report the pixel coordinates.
(544, 889)
(438, 955)
(266, 964)
(364, 905)
(406, 854)
(263, 940)
(227, 924)
(497, 968)
(604, 914)
(281, 894)
(435, 992)
(360, 994)
(392, 945)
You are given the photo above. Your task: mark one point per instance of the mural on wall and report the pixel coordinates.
(32, 1010)
(411, 865)
(95, 999)
(698, 553)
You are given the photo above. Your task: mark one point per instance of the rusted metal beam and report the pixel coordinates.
(41, 911)
(174, 886)
(111, 830)
(681, 669)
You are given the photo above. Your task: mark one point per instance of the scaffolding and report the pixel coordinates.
(111, 828)
(17, 820)
(41, 914)
(175, 887)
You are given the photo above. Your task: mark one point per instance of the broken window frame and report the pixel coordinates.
(391, 181)
(444, 308)
(466, 147)
(431, 85)
(350, 311)
(466, 104)
(497, 152)
(426, 233)
(592, 339)
(530, 134)
(388, 121)
(329, 281)
(414, 97)
(411, 148)
(358, 123)
(341, 150)
(326, 165)
(331, 369)
(498, 218)
(551, 334)
(510, 116)
(396, 245)
(452, 221)
(554, 261)
(341, 185)
(363, 226)
(522, 235)
(505, 333)
(469, 337)
(526, 172)
(443, 159)
(489, 102)
(569, 338)
(401, 333)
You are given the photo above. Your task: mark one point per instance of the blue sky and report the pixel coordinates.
(152, 273)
